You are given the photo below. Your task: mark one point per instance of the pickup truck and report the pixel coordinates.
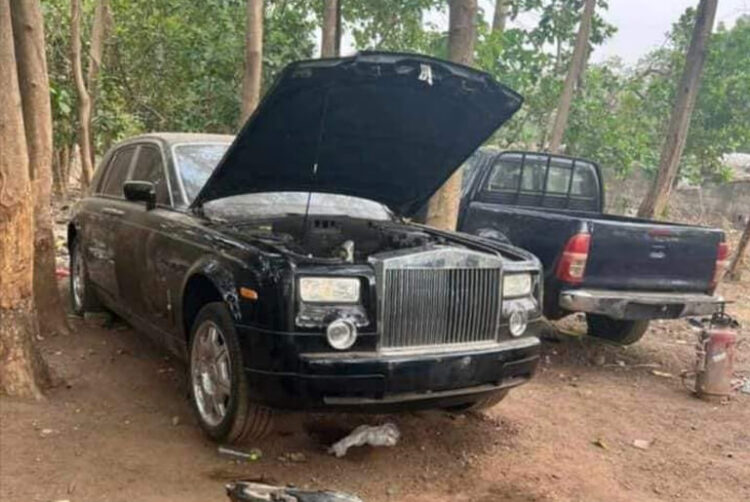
(620, 271)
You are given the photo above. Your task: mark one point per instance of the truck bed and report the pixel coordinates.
(625, 253)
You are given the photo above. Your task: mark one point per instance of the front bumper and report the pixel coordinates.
(380, 383)
(637, 305)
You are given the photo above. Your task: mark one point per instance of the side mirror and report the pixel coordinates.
(140, 191)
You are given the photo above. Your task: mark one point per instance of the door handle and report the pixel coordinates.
(113, 211)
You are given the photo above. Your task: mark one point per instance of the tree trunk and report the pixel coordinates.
(339, 28)
(31, 63)
(64, 172)
(99, 33)
(733, 272)
(57, 173)
(574, 72)
(22, 371)
(658, 195)
(443, 207)
(84, 100)
(501, 15)
(251, 80)
(329, 32)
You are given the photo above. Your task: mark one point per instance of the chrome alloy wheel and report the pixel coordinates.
(77, 275)
(211, 373)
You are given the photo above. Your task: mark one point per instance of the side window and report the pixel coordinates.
(149, 167)
(117, 172)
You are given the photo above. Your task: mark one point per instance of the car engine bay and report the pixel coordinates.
(339, 239)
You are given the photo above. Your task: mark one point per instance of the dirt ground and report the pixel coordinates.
(118, 428)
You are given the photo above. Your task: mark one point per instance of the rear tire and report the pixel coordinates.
(481, 404)
(82, 295)
(615, 330)
(219, 391)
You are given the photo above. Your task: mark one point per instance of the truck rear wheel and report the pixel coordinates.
(615, 330)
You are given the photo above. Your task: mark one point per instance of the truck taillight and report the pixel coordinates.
(572, 265)
(722, 260)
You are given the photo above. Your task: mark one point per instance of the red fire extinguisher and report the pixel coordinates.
(715, 351)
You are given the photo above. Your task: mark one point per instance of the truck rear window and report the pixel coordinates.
(542, 174)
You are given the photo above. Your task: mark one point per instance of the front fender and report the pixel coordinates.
(221, 276)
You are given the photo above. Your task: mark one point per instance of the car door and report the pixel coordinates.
(104, 222)
(141, 269)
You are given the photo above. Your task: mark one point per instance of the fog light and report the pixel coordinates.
(341, 334)
(518, 321)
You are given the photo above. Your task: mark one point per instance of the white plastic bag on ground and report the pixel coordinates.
(375, 435)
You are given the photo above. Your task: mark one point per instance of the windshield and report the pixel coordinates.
(196, 162)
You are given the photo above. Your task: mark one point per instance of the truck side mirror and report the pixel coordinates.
(140, 191)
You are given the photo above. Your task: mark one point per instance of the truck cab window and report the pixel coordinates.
(584, 181)
(558, 180)
(534, 170)
(506, 175)
(149, 167)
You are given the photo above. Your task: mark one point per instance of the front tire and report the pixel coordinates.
(218, 385)
(615, 330)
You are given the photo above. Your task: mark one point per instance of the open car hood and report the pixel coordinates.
(382, 126)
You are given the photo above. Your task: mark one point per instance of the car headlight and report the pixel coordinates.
(329, 289)
(515, 285)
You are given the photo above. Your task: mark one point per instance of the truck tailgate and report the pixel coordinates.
(633, 255)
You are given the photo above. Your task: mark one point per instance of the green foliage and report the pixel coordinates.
(620, 116)
(607, 122)
(534, 62)
(721, 121)
(170, 65)
(177, 65)
(395, 25)
(171, 68)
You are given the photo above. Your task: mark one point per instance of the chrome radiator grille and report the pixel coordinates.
(439, 306)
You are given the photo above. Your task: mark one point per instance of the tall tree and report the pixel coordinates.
(329, 43)
(679, 123)
(21, 368)
(84, 100)
(733, 272)
(500, 16)
(99, 33)
(28, 35)
(443, 207)
(339, 28)
(574, 73)
(251, 81)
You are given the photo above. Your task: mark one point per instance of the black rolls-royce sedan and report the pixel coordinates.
(282, 265)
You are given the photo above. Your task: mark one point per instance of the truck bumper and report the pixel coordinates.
(638, 305)
(372, 382)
